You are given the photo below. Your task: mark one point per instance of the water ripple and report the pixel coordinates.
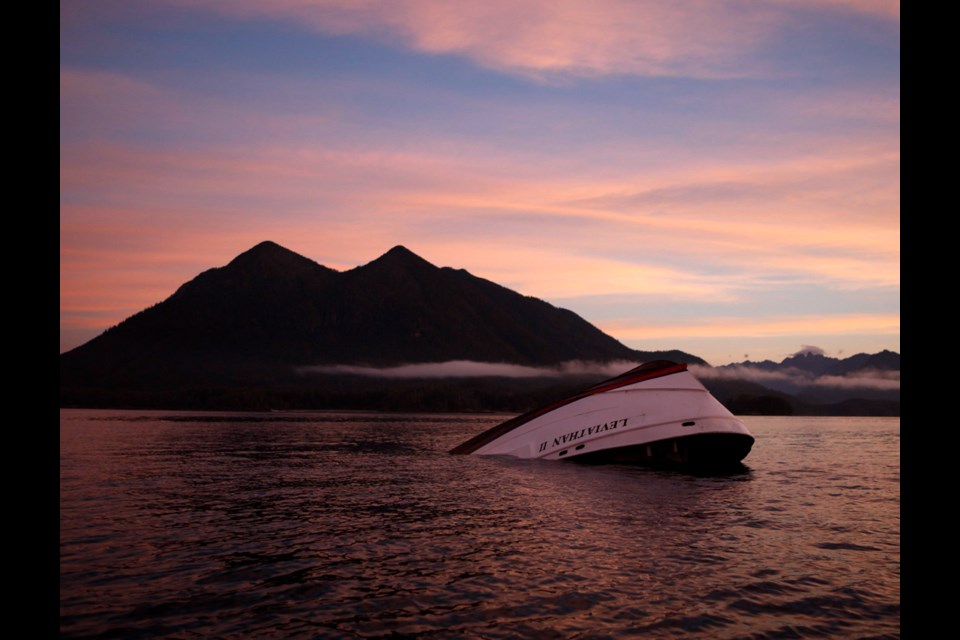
(361, 526)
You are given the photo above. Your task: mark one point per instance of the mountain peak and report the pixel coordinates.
(268, 245)
(270, 257)
(400, 256)
(400, 250)
(265, 250)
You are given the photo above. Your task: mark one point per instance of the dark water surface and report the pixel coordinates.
(362, 526)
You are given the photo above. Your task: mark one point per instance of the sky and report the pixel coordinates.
(721, 177)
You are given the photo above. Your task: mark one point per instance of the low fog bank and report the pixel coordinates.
(472, 369)
(788, 377)
(791, 379)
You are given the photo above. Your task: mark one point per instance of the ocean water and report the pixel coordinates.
(360, 525)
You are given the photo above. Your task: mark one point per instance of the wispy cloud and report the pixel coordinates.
(810, 350)
(883, 8)
(551, 40)
(755, 221)
(544, 38)
(131, 208)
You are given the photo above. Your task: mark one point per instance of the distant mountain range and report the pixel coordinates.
(817, 364)
(249, 330)
(811, 383)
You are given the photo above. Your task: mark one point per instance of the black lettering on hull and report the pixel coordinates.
(583, 432)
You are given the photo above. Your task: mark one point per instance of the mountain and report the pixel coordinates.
(882, 361)
(254, 324)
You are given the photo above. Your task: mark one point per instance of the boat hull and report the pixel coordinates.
(658, 413)
(708, 450)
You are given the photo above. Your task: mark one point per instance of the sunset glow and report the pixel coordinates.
(718, 177)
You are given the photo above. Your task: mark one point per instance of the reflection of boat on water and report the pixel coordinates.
(656, 413)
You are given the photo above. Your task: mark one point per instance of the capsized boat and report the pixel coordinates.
(657, 413)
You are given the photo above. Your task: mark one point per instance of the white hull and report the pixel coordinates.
(657, 412)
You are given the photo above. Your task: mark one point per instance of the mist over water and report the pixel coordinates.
(864, 379)
(473, 369)
(361, 525)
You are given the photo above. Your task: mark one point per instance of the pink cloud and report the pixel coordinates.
(550, 38)
(179, 212)
(882, 8)
(106, 105)
(139, 220)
